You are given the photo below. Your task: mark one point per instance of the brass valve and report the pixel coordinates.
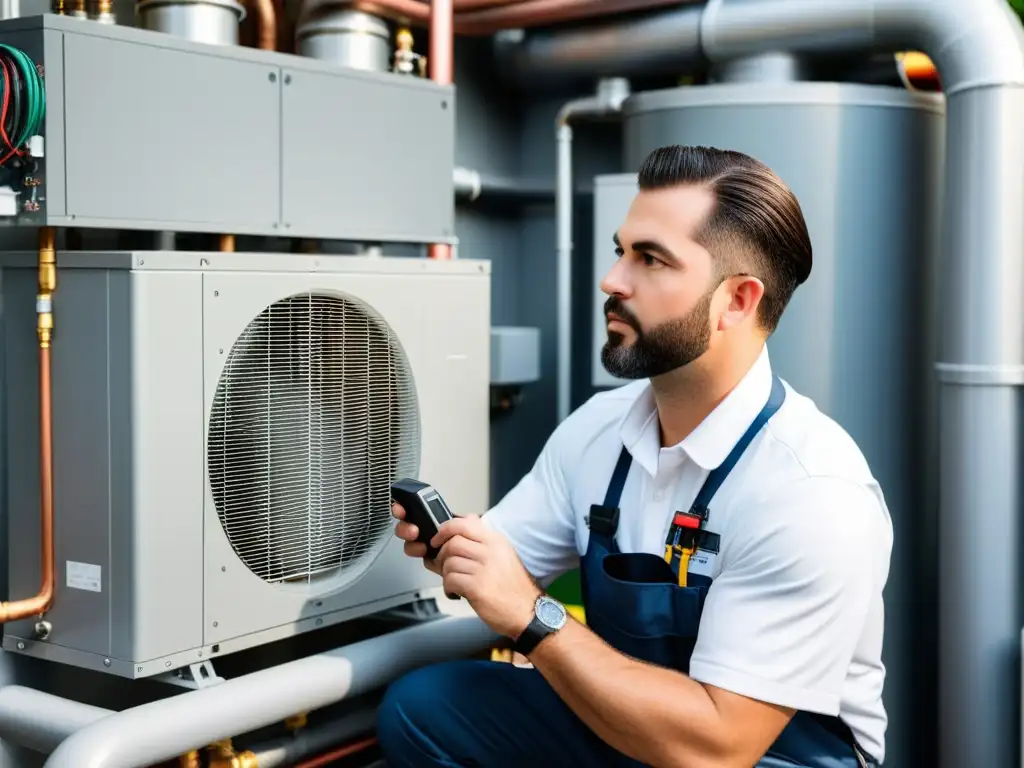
(221, 754)
(47, 286)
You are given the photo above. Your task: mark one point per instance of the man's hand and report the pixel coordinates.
(480, 565)
(408, 533)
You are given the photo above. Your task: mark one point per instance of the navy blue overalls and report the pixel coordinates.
(464, 713)
(636, 603)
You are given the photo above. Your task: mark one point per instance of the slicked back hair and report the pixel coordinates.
(756, 225)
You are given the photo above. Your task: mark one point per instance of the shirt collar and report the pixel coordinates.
(710, 443)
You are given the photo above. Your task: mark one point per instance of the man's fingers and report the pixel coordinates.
(407, 531)
(397, 511)
(460, 546)
(415, 549)
(471, 527)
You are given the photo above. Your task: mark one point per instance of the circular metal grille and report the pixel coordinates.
(314, 416)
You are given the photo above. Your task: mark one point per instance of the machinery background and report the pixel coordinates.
(189, 141)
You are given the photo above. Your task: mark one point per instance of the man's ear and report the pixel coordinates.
(743, 295)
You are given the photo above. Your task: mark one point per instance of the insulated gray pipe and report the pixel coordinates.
(41, 721)
(607, 102)
(163, 729)
(978, 48)
(654, 43)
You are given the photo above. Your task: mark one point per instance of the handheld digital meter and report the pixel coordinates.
(424, 508)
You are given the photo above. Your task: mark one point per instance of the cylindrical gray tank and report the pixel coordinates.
(866, 164)
(345, 37)
(201, 21)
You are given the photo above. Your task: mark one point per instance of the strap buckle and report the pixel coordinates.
(603, 520)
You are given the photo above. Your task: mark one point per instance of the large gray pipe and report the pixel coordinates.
(163, 729)
(41, 721)
(654, 43)
(978, 48)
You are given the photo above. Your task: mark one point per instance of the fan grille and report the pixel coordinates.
(314, 416)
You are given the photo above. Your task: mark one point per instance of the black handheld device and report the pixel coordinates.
(424, 508)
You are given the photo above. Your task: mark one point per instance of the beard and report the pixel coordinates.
(658, 350)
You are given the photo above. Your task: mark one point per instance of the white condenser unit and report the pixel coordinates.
(226, 428)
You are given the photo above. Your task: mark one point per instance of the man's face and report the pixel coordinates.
(662, 298)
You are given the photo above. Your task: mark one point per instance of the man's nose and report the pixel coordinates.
(615, 282)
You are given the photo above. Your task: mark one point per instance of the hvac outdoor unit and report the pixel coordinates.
(226, 429)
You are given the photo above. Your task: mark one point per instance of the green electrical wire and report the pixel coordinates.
(1017, 5)
(35, 95)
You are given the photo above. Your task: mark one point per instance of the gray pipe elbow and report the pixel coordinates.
(974, 45)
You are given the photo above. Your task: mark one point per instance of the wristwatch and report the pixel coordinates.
(549, 616)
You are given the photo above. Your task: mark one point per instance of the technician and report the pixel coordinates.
(732, 541)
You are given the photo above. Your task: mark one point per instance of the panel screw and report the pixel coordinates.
(167, 663)
(444, 105)
(287, 79)
(106, 662)
(215, 623)
(21, 646)
(319, 622)
(141, 262)
(216, 293)
(273, 77)
(223, 568)
(139, 669)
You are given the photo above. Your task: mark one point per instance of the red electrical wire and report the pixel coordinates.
(337, 754)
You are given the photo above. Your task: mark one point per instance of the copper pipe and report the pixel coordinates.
(493, 16)
(227, 243)
(917, 71)
(336, 754)
(40, 603)
(266, 24)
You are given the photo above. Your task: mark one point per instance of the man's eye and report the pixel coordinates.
(649, 260)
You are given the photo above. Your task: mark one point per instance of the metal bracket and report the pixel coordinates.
(194, 676)
(418, 610)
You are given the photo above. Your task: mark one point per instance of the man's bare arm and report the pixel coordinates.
(655, 715)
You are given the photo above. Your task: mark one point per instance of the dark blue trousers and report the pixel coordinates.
(462, 714)
(482, 713)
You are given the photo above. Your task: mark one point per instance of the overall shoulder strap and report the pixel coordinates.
(604, 518)
(718, 475)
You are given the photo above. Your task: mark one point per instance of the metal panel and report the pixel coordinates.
(80, 617)
(367, 157)
(148, 131)
(180, 138)
(613, 195)
(168, 432)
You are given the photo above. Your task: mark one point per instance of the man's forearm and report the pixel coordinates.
(655, 715)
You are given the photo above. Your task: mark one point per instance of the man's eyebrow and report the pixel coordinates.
(651, 246)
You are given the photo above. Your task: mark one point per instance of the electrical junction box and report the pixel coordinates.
(148, 131)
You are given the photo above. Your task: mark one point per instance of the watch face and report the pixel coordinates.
(551, 613)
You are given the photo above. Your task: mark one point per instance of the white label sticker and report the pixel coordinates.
(84, 576)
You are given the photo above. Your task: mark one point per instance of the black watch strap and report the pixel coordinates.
(532, 635)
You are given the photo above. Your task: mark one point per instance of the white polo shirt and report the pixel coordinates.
(794, 616)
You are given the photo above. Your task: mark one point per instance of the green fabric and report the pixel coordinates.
(567, 588)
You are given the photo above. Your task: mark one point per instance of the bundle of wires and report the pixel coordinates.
(22, 103)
